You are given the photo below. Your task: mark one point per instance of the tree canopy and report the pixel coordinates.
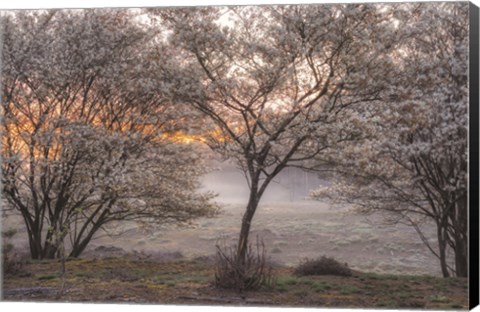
(84, 134)
(413, 166)
(281, 84)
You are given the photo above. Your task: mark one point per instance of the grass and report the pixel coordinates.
(439, 299)
(288, 281)
(321, 287)
(172, 280)
(349, 289)
(190, 282)
(386, 303)
(285, 283)
(48, 277)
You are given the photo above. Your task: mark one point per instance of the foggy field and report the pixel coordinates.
(291, 227)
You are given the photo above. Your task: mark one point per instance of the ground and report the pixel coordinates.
(291, 226)
(190, 282)
(393, 267)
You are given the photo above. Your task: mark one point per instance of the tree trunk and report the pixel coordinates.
(80, 245)
(245, 228)
(78, 249)
(50, 247)
(461, 238)
(256, 192)
(35, 243)
(442, 246)
(35, 253)
(461, 257)
(49, 251)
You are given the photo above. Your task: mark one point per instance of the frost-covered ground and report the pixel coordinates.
(292, 228)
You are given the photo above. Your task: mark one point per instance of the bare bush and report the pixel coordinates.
(250, 274)
(322, 266)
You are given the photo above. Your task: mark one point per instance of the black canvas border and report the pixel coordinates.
(474, 156)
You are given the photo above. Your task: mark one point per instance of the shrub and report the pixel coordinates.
(322, 266)
(251, 275)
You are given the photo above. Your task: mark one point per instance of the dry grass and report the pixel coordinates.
(191, 282)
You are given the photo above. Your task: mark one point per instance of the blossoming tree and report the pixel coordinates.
(84, 141)
(413, 166)
(281, 84)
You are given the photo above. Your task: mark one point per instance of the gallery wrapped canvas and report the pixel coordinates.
(280, 155)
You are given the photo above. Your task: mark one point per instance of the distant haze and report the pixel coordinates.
(291, 185)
